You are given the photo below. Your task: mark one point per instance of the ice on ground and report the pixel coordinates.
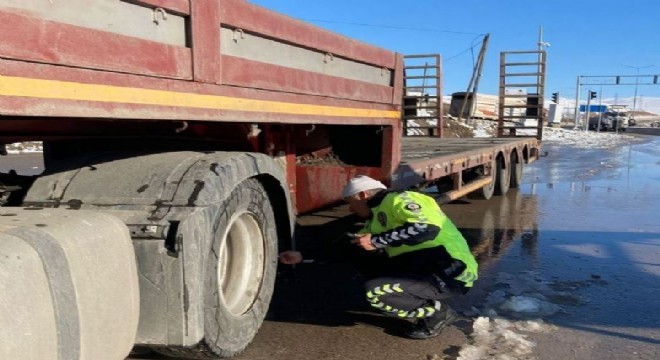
(526, 295)
(529, 306)
(502, 339)
(513, 312)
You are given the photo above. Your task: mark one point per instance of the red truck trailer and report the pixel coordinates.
(205, 127)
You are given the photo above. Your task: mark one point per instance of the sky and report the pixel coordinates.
(587, 37)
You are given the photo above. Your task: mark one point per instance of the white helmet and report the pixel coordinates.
(361, 183)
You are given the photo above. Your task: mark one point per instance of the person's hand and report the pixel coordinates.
(290, 257)
(363, 241)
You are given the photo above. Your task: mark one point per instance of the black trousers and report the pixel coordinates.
(408, 296)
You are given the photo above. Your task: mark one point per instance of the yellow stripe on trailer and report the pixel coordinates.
(64, 90)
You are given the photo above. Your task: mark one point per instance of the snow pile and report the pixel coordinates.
(484, 128)
(24, 147)
(501, 339)
(523, 299)
(586, 139)
(575, 138)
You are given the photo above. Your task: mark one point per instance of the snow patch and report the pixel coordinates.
(586, 139)
(24, 147)
(529, 305)
(570, 137)
(502, 339)
(514, 310)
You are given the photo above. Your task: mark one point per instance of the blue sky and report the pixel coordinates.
(587, 37)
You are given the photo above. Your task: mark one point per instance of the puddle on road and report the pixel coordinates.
(578, 245)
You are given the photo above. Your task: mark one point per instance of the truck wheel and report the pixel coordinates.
(502, 177)
(240, 274)
(485, 192)
(516, 166)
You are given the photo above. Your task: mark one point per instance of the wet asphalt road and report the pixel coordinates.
(587, 221)
(598, 233)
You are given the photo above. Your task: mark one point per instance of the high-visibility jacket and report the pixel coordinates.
(408, 222)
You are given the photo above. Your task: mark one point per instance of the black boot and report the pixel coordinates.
(432, 326)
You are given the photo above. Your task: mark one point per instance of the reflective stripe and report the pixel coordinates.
(379, 305)
(66, 90)
(397, 288)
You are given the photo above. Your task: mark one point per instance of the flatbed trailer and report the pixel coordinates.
(426, 160)
(190, 134)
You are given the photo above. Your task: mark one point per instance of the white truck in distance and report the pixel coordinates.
(615, 118)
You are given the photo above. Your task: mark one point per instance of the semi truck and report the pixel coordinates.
(615, 118)
(181, 139)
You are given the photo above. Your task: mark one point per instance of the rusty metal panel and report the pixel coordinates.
(246, 73)
(33, 84)
(397, 84)
(52, 42)
(319, 186)
(250, 46)
(113, 16)
(249, 17)
(29, 89)
(205, 19)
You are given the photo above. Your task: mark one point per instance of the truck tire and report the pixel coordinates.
(516, 166)
(486, 192)
(502, 177)
(239, 276)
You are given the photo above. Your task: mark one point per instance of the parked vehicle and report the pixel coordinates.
(615, 118)
(194, 132)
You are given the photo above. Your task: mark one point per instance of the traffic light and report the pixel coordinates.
(555, 97)
(593, 94)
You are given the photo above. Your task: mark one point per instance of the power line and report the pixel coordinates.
(392, 27)
(470, 49)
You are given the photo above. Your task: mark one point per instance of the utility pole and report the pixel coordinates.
(474, 81)
(577, 103)
(586, 117)
(636, 84)
(600, 106)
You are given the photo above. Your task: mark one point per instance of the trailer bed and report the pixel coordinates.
(427, 159)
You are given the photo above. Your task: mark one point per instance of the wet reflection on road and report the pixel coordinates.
(582, 235)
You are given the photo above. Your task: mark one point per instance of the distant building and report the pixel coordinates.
(485, 107)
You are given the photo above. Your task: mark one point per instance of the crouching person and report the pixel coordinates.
(428, 260)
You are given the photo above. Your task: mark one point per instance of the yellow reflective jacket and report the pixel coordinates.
(398, 219)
